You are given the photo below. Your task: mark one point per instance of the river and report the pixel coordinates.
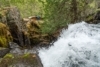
(77, 46)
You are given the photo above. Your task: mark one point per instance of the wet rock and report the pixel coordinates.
(13, 45)
(97, 18)
(4, 51)
(21, 51)
(17, 51)
(93, 18)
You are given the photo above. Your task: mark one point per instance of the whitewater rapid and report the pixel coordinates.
(77, 46)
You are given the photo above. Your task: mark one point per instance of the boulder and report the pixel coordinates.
(11, 17)
(14, 21)
(26, 60)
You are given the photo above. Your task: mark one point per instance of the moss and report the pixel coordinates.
(26, 55)
(3, 41)
(9, 56)
(5, 36)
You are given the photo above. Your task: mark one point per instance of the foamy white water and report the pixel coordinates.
(78, 46)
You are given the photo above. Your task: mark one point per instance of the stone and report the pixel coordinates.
(4, 51)
(11, 17)
(26, 60)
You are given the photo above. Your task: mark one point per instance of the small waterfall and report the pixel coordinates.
(77, 46)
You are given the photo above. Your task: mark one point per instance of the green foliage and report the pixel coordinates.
(26, 7)
(4, 3)
(59, 13)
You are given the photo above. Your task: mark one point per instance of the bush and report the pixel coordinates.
(59, 13)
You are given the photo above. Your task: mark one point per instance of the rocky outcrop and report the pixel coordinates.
(11, 17)
(14, 21)
(25, 32)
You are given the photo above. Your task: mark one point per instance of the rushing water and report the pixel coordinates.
(77, 46)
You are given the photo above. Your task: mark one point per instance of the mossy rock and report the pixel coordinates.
(11, 17)
(25, 60)
(5, 36)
